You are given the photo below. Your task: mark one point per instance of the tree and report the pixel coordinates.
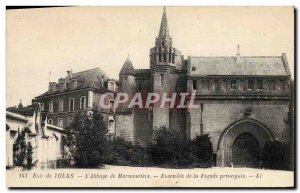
(86, 138)
(22, 152)
(29, 155)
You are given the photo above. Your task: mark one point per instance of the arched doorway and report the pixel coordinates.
(241, 143)
(246, 151)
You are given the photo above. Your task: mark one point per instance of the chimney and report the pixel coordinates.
(238, 56)
(102, 81)
(69, 72)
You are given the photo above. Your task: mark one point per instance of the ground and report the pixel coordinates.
(125, 176)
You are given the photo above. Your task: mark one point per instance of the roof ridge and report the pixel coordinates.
(86, 70)
(235, 56)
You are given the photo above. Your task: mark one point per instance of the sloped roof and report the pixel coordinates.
(127, 68)
(251, 66)
(25, 111)
(144, 73)
(91, 78)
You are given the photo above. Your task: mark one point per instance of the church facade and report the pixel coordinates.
(244, 101)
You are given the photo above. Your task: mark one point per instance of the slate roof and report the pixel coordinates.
(25, 111)
(91, 78)
(127, 68)
(248, 66)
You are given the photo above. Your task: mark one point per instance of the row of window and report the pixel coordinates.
(60, 121)
(61, 105)
(163, 58)
(248, 84)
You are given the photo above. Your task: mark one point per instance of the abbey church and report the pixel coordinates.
(244, 101)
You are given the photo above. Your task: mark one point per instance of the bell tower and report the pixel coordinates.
(165, 60)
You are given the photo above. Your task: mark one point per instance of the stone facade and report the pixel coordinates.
(235, 94)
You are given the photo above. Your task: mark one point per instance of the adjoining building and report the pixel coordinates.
(78, 93)
(48, 141)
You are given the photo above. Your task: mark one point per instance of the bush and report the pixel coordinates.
(202, 149)
(121, 152)
(275, 155)
(171, 150)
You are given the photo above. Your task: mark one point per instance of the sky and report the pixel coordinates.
(39, 41)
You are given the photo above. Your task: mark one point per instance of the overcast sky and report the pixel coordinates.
(55, 40)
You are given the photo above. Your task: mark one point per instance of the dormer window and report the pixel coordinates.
(111, 86)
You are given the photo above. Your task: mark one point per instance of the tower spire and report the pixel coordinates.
(164, 28)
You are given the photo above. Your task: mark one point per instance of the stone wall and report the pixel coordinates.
(219, 114)
(125, 126)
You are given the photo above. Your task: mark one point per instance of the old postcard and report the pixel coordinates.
(150, 97)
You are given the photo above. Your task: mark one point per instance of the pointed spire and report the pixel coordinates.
(127, 67)
(238, 49)
(164, 29)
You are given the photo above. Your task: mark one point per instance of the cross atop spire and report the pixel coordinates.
(164, 29)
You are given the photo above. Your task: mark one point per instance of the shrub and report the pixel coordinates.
(202, 149)
(275, 155)
(122, 152)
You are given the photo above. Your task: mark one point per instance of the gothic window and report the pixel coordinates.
(159, 57)
(271, 85)
(51, 106)
(194, 85)
(161, 79)
(217, 86)
(282, 85)
(163, 43)
(250, 85)
(82, 102)
(209, 86)
(60, 122)
(259, 84)
(61, 105)
(165, 57)
(170, 58)
(71, 104)
(173, 59)
(233, 84)
(170, 50)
